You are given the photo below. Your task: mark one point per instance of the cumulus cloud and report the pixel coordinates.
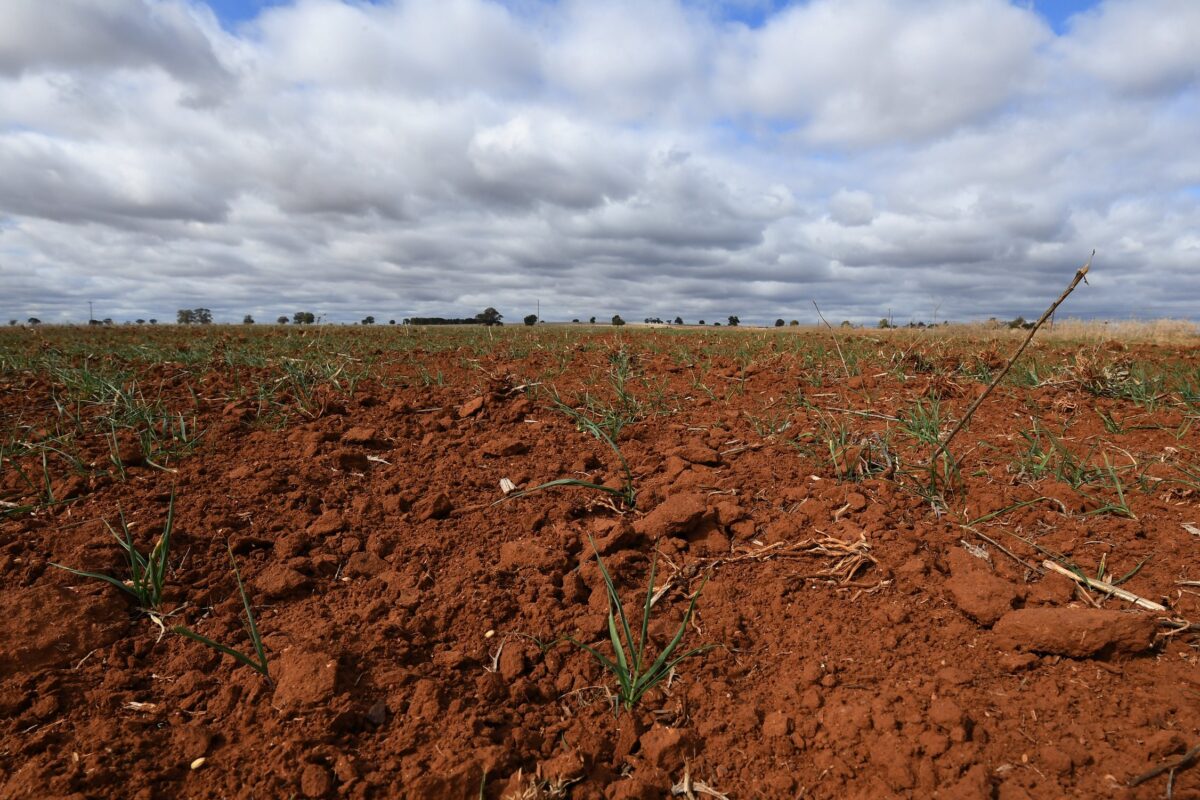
(420, 157)
(1137, 46)
(109, 34)
(873, 71)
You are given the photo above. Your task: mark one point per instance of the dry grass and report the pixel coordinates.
(1158, 331)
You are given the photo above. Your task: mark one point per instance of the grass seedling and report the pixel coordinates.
(258, 663)
(147, 573)
(634, 679)
(1121, 506)
(626, 492)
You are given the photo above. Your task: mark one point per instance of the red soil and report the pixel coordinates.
(402, 609)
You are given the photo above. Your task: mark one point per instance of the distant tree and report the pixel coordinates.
(1019, 322)
(247, 320)
(202, 316)
(34, 321)
(108, 321)
(281, 320)
(679, 320)
(489, 316)
(368, 320)
(153, 322)
(531, 320)
(616, 320)
(140, 321)
(883, 323)
(576, 320)
(185, 316)
(701, 322)
(303, 318)
(847, 323)
(778, 323)
(716, 324)
(12, 322)
(94, 322)
(391, 322)
(592, 321)
(795, 322)
(734, 322)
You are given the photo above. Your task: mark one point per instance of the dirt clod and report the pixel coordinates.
(1075, 632)
(675, 516)
(980, 595)
(306, 679)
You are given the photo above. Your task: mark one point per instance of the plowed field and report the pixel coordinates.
(876, 625)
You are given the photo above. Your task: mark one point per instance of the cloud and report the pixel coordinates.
(1137, 46)
(83, 35)
(414, 158)
(861, 72)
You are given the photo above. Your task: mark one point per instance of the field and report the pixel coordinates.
(361, 515)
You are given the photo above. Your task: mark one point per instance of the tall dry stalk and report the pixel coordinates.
(1080, 275)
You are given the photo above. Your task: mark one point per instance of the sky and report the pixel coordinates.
(918, 159)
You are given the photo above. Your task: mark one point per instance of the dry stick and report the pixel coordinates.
(1080, 275)
(1028, 565)
(1105, 587)
(1183, 762)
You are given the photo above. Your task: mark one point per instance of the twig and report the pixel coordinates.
(1080, 275)
(1183, 762)
(1107, 588)
(1028, 565)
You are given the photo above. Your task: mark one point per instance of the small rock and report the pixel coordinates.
(1075, 632)
(856, 501)
(470, 408)
(377, 713)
